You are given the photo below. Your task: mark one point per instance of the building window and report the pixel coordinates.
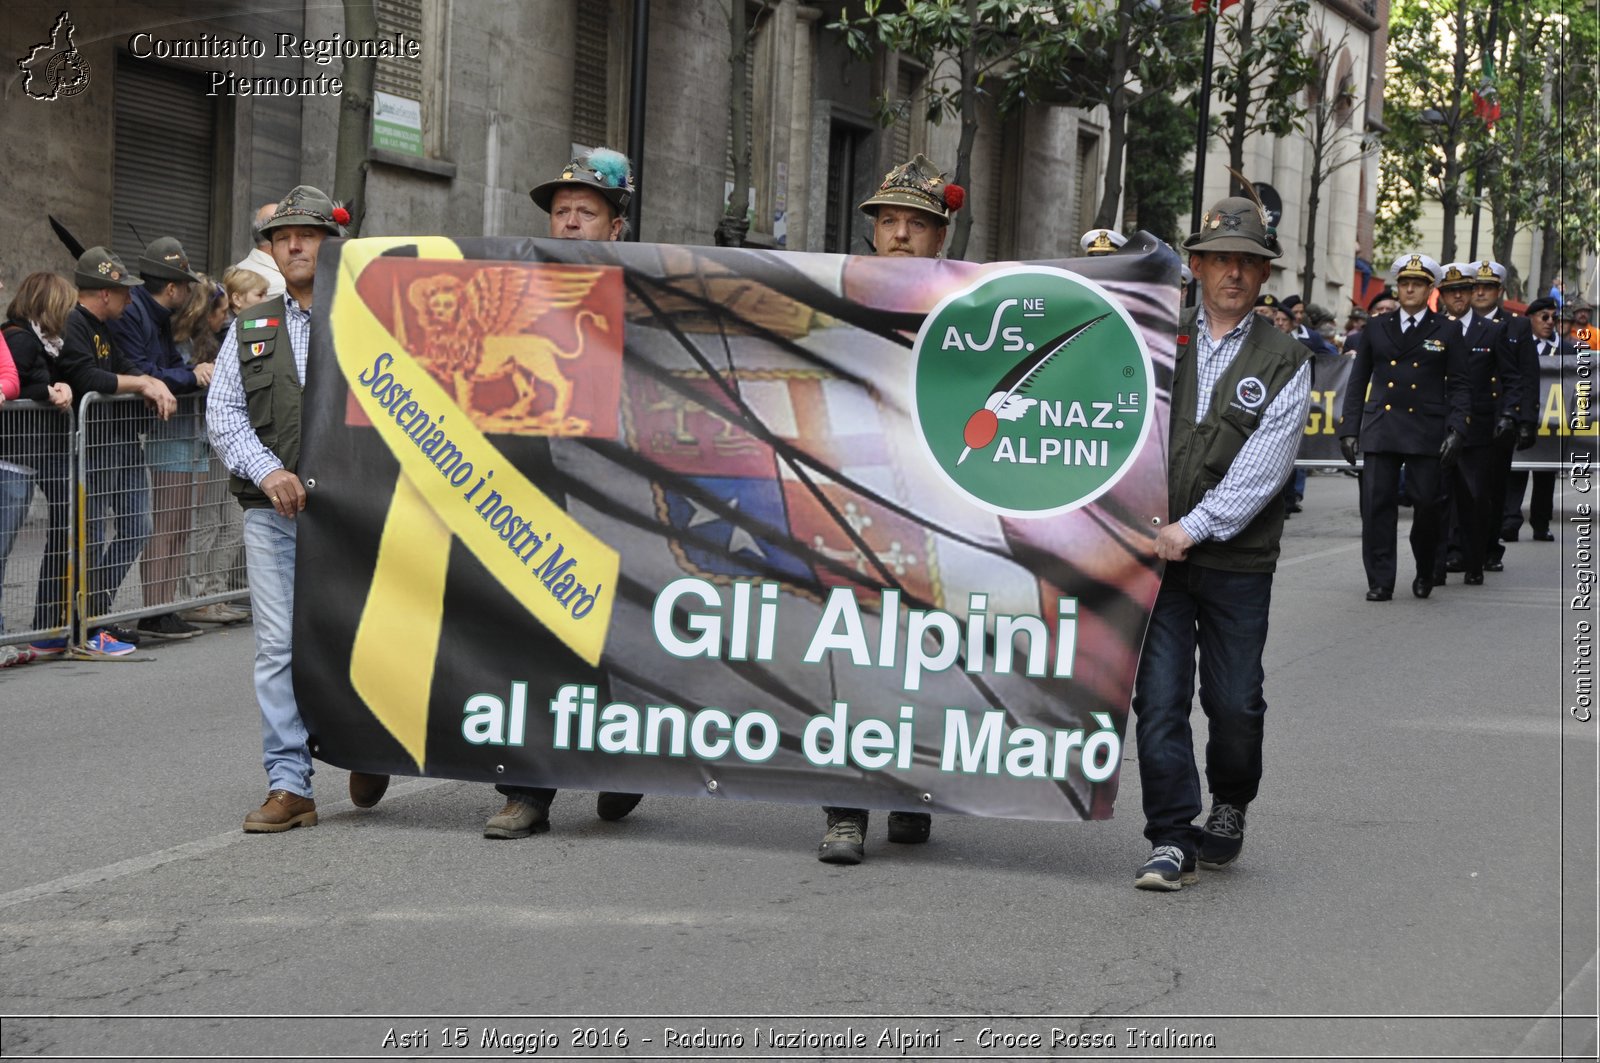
(846, 156)
(601, 51)
(411, 95)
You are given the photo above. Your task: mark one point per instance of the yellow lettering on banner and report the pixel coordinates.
(392, 660)
(1555, 413)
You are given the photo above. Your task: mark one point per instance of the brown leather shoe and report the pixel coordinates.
(281, 811)
(367, 789)
(518, 819)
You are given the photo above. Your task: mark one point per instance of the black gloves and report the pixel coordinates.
(1450, 451)
(1347, 444)
(1526, 437)
(1503, 428)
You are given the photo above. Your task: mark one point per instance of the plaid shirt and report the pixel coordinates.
(1264, 463)
(228, 419)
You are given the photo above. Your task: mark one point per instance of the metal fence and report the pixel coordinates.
(132, 518)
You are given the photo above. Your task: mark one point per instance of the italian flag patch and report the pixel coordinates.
(261, 322)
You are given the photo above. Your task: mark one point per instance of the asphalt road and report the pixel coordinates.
(1419, 879)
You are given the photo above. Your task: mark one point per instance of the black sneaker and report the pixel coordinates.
(614, 806)
(909, 828)
(1222, 838)
(120, 633)
(1167, 869)
(167, 626)
(846, 840)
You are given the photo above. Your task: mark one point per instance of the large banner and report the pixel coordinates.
(788, 527)
(1563, 400)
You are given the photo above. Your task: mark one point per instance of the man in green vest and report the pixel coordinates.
(1240, 391)
(253, 417)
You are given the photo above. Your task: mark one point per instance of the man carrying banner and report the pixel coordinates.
(1240, 392)
(1405, 408)
(589, 201)
(253, 416)
(910, 218)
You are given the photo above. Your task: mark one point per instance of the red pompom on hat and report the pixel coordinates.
(954, 196)
(341, 215)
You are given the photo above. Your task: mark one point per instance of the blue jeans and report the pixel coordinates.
(16, 491)
(269, 542)
(1224, 615)
(119, 488)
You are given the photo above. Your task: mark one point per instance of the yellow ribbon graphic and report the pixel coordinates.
(545, 567)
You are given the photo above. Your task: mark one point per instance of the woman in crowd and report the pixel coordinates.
(34, 324)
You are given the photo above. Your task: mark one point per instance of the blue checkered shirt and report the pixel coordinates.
(228, 419)
(1264, 463)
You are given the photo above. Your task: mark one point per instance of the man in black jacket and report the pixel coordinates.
(1405, 407)
(1521, 391)
(1541, 316)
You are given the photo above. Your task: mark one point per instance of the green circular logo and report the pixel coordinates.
(1033, 391)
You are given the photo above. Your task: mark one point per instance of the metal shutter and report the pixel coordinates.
(162, 171)
(398, 76)
(591, 68)
(905, 87)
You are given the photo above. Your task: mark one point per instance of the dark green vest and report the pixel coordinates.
(271, 392)
(1201, 453)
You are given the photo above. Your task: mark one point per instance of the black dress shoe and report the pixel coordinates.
(1379, 594)
(1508, 536)
(1473, 579)
(1421, 588)
(1440, 578)
(1453, 564)
(1494, 566)
(1546, 536)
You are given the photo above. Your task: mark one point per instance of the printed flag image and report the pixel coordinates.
(698, 521)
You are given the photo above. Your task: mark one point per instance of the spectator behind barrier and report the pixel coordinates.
(35, 322)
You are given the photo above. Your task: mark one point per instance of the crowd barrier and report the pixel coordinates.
(131, 517)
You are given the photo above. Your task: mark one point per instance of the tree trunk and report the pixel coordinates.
(969, 134)
(735, 223)
(1240, 118)
(1117, 125)
(1549, 257)
(1319, 148)
(355, 117)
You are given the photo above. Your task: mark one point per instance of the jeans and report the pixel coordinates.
(16, 491)
(269, 542)
(1224, 615)
(119, 489)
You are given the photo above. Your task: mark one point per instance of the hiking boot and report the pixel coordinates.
(281, 811)
(519, 819)
(846, 839)
(1167, 869)
(613, 807)
(367, 788)
(102, 644)
(167, 626)
(1222, 838)
(909, 828)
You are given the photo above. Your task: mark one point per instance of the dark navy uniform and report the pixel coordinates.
(1406, 391)
(1522, 405)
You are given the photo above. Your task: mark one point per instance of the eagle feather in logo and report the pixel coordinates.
(1004, 403)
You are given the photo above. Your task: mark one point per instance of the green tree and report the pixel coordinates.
(1434, 63)
(1159, 196)
(1262, 67)
(1113, 52)
(354, 138)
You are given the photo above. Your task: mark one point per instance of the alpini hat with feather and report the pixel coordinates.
(918, 184)
(1235, 224)
(603, 170)
(308, 206)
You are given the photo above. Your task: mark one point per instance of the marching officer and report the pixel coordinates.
(1542, 320)
(1521, 390)
(1491, 373)
(1405, 407)
(910, 218)
(1097, 242)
